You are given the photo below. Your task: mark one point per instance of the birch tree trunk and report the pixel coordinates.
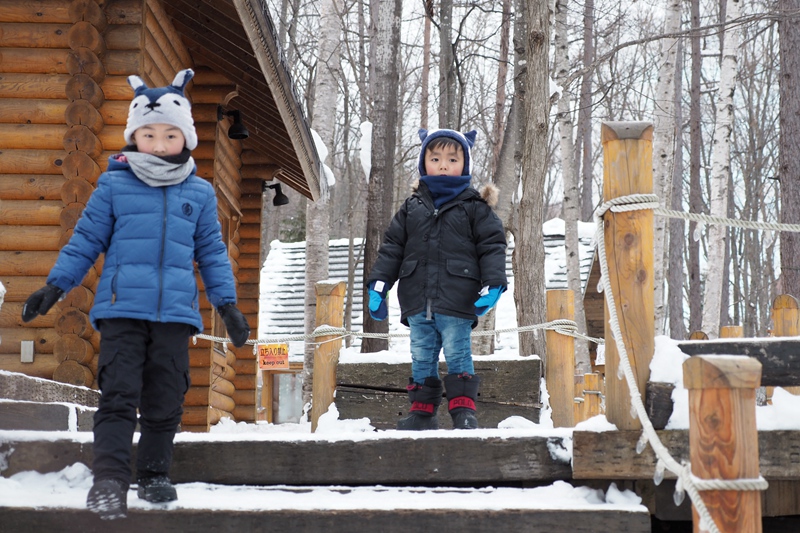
(720, 170)
(789, 163)
(318, 213)
(695, 196)
(384, 80)
(675, 277)
(663, 151)
(485, 344)
(529, 285)
(571, 204)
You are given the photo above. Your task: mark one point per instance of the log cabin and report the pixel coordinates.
(64, 101)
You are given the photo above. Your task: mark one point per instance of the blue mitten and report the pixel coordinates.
(488, 299)
(378, 309)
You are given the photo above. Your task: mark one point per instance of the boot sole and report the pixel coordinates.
(107, 503)
(157, 494)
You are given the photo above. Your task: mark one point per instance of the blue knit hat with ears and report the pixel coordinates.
(466, 140)
(162, 105)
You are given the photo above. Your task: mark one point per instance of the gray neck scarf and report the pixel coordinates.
(156, 171)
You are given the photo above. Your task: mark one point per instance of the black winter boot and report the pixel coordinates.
(462, 391)
(109, 499)
(156, 489)
(425, 399)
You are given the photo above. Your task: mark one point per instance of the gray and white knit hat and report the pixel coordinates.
(162, 105)
(466, 140)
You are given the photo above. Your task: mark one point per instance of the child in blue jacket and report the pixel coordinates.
(153, 218)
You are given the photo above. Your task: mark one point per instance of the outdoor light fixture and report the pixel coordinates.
(237, 130)
(280, 198)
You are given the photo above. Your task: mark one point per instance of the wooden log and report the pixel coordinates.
(73, 348)
(779, 357)
(123, 37)
(47, 11)
(34, 35)
(73, 373)
(221, 401)
(72, 320)
(81, 138)
(84, 113)
(35, 111)
(26, 263)
(31, 161)
(85, 61)
(82, 87)
(31, 186)
(43, 365)
(114, 113)
(786, 323)
(197, 396)
(76, 191)
(33, 85)
(731, 332)
(592, 395)
(723, 438)
(330, 302)
(43, 340)
(18, 288)
(117, 88)
(223, 386)
(200, 376)
(698, 336)
(34, 60)
(658, 403)
(124, 11)
(245, 413)
(81, 165)
(88, 11)
(122, 62)
(11, 316)
(80, 297)
(33, 238)
(244, 397)
(69, 216)
(195, 416)
(112, 138)
(560, 364)
(155, 12)
(628, 169)
(31, 136)
(84, 35)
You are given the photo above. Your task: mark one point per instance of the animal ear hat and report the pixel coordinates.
(466, 140)
(162, 105)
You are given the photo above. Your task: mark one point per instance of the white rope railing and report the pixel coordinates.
(562, 326)
(686, 480)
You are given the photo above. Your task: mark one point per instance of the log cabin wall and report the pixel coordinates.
(64, 99)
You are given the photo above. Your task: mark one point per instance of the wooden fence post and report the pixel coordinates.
(731, 332)
(592, 395)
(628, 169)
(330, 311)
(723, 439)
(785, 317)
(559, 367)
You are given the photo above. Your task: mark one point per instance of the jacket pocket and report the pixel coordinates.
(407, 268)
(463, 269)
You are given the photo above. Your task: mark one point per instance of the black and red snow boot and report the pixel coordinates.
(462, 391)
(425, 400)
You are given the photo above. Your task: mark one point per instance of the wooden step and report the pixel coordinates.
(435, 458)
(45, 416)
(365, 509)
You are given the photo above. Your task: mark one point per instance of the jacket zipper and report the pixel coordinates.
(161, 257)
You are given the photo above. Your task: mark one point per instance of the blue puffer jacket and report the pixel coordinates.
(151, 236)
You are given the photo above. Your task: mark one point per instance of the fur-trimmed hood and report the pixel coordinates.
(489, 192)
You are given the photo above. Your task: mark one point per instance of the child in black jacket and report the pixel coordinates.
(447, 248)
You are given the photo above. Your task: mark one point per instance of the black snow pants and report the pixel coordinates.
(143, 365)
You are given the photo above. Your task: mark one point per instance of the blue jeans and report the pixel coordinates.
(428, 337)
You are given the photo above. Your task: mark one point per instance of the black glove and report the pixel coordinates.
(235, 323)
(40, 302)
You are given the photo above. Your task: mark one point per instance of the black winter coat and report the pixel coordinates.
(442, 258)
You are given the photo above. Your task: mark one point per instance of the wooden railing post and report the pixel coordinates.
(785, 317)
(592, 395)
(723, 438)
(559, 370)
(731, 332)
(330, 311)
(628, 169)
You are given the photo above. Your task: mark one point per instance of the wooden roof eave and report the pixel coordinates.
(260, 32)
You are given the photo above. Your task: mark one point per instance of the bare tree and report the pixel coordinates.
(789, 143)
(571, 206)
(695, 194)
(721, 169)
(384, 79)
(664, 150)
(585, 115)
(318, 213)
(528, 260)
